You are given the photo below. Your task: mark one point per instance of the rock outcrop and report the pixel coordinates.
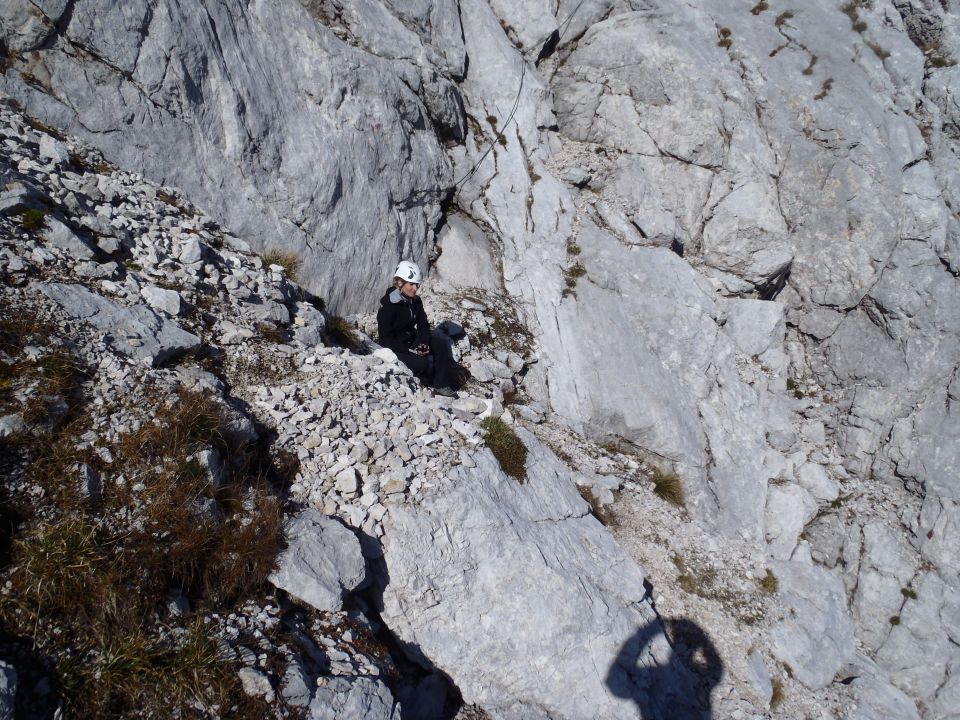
(517, 593)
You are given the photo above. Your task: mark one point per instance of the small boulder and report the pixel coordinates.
(322, 562)
(8, 689)
(54, 150)
(62, 237)
(256, 684)
(351, 697)
(168, 301)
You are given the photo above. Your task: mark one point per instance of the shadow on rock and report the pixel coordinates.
(673, 680)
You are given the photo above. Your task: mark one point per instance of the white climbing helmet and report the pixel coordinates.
(408, 272)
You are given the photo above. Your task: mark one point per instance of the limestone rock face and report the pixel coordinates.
(517, 593)
(816, 637)
(775, 169)
(466, 259)
(240, 103)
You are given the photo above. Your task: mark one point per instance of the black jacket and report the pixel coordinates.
(401, 322)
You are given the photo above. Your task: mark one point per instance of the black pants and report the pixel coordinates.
(436, 369)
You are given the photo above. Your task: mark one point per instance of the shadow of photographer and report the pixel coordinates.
(680, 687)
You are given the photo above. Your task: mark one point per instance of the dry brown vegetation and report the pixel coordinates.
(287, 259)
(88, 565)
(341, 332)
(668, 486)
(604, 513)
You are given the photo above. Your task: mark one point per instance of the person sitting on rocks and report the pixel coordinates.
(403, 327)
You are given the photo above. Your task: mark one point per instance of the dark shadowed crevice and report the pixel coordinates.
(549, 46)
(423, 690)
(770, 289)
(59, 27)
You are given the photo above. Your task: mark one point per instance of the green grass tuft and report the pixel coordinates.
(33, 220)
(572, 274)
(509, 450)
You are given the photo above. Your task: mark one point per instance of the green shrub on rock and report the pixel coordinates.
(509, 450)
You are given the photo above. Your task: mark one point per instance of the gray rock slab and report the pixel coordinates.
(134, 331)
(322, 562)
(887, 566)
(466, 258)
(879, 700)
(28, 25)
(918, 654)
(19, 196)
(815, 636)
(759, 677)
(817, 481)
(757, 327)
(789, 508)
(296, 685)
(518, 594)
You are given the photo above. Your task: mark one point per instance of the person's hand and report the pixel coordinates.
(422, 349)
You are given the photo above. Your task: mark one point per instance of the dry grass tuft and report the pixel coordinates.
(768, 583)
(668, 486)
(783, 17)
(342, 332)
(287, 259)
(776, 696)
(270, 332)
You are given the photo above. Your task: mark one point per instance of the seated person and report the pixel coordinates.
(403, 327)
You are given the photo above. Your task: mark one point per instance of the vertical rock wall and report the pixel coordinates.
(293, 136)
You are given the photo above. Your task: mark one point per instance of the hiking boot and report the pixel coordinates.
(446, 391)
